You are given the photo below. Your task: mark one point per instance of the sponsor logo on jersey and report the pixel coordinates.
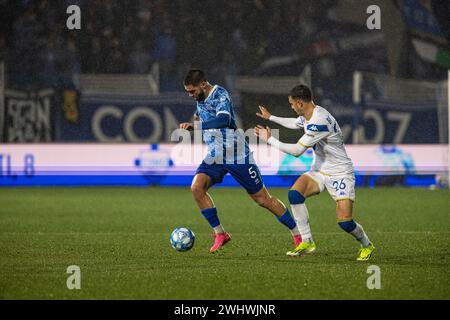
(317, 127)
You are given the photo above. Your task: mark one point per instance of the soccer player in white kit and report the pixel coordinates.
(331, 169)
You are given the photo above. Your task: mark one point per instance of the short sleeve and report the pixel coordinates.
(313, 134)
(223, 104)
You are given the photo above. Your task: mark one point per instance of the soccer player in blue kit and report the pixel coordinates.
(228, 152)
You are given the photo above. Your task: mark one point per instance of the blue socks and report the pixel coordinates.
(356, 230)
(295, 197)
(287, 220)
(210, 215)
(347, 226)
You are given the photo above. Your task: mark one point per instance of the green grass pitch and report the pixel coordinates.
(119, 237)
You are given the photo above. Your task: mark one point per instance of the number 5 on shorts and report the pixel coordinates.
(252, 173)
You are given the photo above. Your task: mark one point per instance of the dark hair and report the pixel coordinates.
(194, 77)
(301, 92)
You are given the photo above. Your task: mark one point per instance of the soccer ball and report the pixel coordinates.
(182, 239)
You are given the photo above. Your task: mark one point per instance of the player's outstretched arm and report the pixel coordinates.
(285, 122)
(265, 134)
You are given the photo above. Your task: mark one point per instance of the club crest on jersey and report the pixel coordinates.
(317, 127)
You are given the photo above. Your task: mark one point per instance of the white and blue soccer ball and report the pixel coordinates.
(182, 239)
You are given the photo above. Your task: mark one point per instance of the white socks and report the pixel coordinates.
(218, 229)
(301, 216)
(360, 235)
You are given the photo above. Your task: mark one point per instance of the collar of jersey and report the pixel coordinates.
(306, 121)
(209, 95)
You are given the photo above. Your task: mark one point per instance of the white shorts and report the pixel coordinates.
(339, 187)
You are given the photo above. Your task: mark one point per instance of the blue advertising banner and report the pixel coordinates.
(385, 122)
(175, 164)
(146, 119)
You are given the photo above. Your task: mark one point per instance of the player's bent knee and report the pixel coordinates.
(197, 191)
(295, 197)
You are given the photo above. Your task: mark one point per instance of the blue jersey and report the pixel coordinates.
(225, 144)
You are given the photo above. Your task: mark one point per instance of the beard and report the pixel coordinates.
(201, 97)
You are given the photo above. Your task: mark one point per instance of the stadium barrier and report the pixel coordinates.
(175, 164)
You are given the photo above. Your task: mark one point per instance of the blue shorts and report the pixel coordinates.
(248, 175)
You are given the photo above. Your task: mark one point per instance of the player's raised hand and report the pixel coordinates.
(265, 114)
(263, 133)
(187, 126)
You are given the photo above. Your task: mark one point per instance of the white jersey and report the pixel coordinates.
(324, 136)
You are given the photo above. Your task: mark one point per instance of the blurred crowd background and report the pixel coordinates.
(258, 38)
(225, 37)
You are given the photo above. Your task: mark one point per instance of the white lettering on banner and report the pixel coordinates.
(101, 113)
(379, 127)
(133, 115)
(127, 126)
(403, 118)
(28, 119)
